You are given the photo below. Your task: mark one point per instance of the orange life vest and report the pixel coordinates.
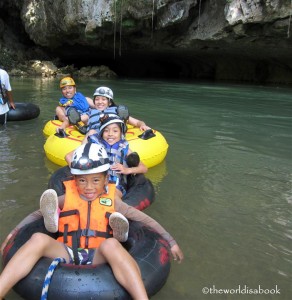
(84, 224)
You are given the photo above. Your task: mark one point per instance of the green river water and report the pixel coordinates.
(224, 190)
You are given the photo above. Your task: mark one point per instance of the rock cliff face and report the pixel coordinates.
(243, 40)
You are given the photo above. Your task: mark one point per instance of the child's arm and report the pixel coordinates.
(121, 169)
(36, 215)
(28, 219)
(133, 214)
(90, 102)
(137, 123)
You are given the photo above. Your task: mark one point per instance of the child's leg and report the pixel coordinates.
(124, 267)
(60, 112)
(26, 257)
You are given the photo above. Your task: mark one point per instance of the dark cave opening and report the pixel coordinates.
(140, 65)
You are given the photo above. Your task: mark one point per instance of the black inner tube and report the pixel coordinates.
(23, 112)
(93, 282)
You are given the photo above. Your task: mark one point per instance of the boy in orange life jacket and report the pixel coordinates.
(89, 166)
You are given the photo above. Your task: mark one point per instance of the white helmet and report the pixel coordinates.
(110, 120)
(88, 159)
(104, 91)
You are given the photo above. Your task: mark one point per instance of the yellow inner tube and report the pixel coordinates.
(151, 151)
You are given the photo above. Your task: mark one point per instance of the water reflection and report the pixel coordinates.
(6, 158)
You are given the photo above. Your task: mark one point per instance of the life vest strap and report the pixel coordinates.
(108, 228)
(69, 213)
(65, 234)
(95, 233)
(75, 234)
(75, 245)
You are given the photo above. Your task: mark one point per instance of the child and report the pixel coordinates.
(90, 184)
(112, 137)
(103, 99)
(71, 99)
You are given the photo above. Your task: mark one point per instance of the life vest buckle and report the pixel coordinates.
(89, 233)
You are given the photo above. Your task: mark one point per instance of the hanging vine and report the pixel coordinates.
(152, 18)
(121, 23)
(115, 28)
(288, 32)
(199, 19)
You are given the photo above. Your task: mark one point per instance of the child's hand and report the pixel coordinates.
(68, 103)
(119, 168)
(144, 127)
(177, 253)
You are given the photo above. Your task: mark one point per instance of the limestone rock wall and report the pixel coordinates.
(202, 39)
